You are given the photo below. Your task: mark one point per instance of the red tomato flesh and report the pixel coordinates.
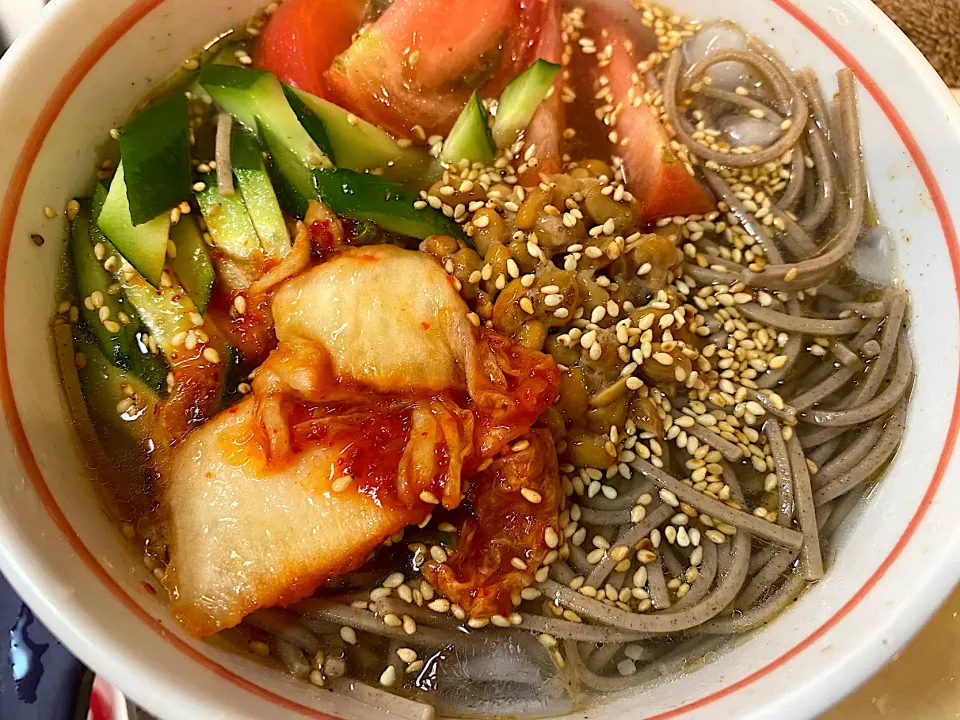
(418, 64)
(654, 174)
(546, 127)
(304, 36)
(522, 43)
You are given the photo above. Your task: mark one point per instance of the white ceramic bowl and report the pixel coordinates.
(82, 70)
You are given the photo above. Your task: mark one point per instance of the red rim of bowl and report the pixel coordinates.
(8, 213)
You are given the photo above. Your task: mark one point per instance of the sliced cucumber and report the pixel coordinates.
(169, 313)
(256, 99)
(116, 338)
(155, 149)
(166, 312)
(470, 138)
(385, 202)
(149, 367)
(258, 194)
(144, 246)
(104, 386)
(311, 123)
(227, 220)
(520, 100)
(227, 55)
(358, 145)
(192, 262)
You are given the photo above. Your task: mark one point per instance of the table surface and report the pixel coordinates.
(921, 683)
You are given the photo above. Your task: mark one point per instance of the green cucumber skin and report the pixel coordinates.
(357, 144)
(357, 196)
(192, 264)
(152, 369)
(257, 100)
(165, 312)
(233, 88)
(386, 202)
(258, 194)
(91, 276)
(102, 385)
(520, 100)
(470, 139)
(144, 246)
(301, 171)
(227, 220)
(311, 123)
(155, 148)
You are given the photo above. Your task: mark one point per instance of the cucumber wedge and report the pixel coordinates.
(192, 262)
(227, 220)
(155, 149)
(358, 145)
(104, 386)
(116, 338)
(169, 314)
(144, 246)
(256, 99)
(385, 202)
(311, 123)
(470, 138)
(520, 100)
(166, 312)
(151, 368)
(258, 194)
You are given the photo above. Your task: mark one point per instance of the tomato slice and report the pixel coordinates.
(658, 179)
(546, 128)
(417, 65)
(304, 36)
(521, 44)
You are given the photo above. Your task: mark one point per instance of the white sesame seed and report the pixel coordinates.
(429, 497)
(551, 538)
(645, 557)
(408, 655)
(260, 648)
(389, 676)
(440, 605)
(669, 498)
(531, 495)
(518, 563)
(341, 483)
(393, 580)
(438, 554)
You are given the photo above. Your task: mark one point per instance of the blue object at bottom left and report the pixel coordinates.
(39, 678)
